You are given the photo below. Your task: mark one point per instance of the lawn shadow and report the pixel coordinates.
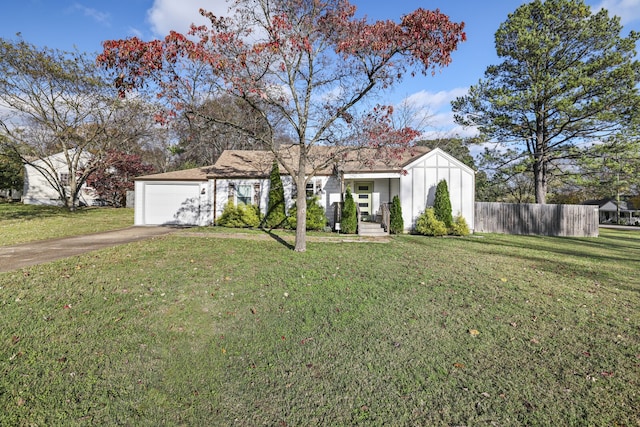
(278, 239)
(11, 211)
(612, 252)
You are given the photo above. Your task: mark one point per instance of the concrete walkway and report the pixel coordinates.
(38, 252)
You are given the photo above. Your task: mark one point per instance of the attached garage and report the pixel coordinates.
(174, 198)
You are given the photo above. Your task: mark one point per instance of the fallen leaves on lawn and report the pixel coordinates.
(474, 332)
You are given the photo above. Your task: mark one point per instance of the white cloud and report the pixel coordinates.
(435, 101)
(98, 16)
(438, 117)
(627, 10)
(167, 15)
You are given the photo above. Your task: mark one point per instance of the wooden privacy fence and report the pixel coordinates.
(545, 220)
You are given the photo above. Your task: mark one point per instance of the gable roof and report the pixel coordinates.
(611, 205)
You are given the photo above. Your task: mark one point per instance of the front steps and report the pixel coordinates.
(371, 229)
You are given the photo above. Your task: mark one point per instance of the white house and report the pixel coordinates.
(39, 185)
(198, 196)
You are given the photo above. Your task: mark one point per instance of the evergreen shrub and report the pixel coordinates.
(276, 210)
(396, 223)
(240, 216)
(459, 227)
(442, 204)
(349, 220)
(428, 225)
(316, 217)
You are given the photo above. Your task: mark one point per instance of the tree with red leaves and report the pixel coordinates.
(114, 175)
(299, 64)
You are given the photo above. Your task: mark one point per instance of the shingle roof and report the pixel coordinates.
(195, 174)
(321, 159)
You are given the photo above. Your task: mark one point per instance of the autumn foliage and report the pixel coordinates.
(114, 176)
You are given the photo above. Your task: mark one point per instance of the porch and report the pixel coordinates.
(372, 197)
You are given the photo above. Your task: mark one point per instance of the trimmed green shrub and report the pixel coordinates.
(427, 224)
(442, 204)
(349, 217)
(459, 227)
(316, 218)
(240, 216)
(396, 223)
(276, 210)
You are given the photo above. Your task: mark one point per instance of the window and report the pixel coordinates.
(244, 194)
(310, 191)
(64, 178)
(314, 187)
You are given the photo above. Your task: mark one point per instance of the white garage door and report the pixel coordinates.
(177, 203)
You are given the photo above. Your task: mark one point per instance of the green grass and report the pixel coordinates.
(25, 223)
(199, 330)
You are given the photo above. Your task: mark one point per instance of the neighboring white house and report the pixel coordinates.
(38, 190)
(198, 196)
(609, 209)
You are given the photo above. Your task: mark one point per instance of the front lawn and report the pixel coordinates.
(24, 223)
(194, 329)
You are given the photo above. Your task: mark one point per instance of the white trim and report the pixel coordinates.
(372, 175)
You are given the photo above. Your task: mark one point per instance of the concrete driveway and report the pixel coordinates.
(39, 252)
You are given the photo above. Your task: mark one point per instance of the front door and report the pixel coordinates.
(364, 199)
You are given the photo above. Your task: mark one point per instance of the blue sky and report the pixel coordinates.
(84, 24)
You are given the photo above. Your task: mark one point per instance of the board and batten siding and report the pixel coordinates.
(418, 186)
(536, 219)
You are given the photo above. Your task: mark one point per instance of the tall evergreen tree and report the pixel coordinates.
(276, 209)
(567, 77)
(442, 204)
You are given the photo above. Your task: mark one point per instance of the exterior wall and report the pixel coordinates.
(418, 187)
(38, 191)
(324, 186)
(221, 196)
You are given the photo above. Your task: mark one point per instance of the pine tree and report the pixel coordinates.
(276, 209)
(349, 221)
(396, 223)
(442, 204)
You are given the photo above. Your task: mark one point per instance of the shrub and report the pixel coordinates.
(442, 204)
(459, 226)
(316, 218)
(239, 216)
(396, 223)
(427, 224)
(349, 217)
(276, 210)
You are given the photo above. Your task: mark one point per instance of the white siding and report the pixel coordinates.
(38, 191)
(417, 188)
(222, 193)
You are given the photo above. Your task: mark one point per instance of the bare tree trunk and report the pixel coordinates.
(301, 214)
(301, 203)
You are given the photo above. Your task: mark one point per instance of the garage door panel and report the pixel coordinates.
(172, 204)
